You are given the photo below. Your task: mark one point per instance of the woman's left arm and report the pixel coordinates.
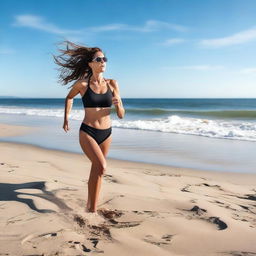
(117, 101)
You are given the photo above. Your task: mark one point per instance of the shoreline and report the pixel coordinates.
(241, 178)
(169, 149)
(13, 130)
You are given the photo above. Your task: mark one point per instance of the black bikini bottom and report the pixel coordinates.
(98, 134)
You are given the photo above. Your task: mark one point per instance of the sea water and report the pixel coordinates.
(213, 134)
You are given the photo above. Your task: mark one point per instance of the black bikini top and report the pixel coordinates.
(92, 100)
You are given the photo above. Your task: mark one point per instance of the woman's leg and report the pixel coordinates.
(94, 185)
(104, 146)
(96, 153)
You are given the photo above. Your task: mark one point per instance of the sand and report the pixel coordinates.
(144, 209)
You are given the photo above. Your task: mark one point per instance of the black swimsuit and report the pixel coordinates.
(91, 100)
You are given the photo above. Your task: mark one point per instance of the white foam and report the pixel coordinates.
(76, 114)
(236, 130)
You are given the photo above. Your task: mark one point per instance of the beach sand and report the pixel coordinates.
(144, 209)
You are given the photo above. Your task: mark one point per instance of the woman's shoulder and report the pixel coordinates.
(112, 81)
(114, 84)
(82, 82)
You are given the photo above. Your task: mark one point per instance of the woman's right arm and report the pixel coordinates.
(69, 102)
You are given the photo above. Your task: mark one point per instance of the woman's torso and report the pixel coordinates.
(98, 117)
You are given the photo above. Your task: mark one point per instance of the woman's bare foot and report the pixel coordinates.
(87, 209)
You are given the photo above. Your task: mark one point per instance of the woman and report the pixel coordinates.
(85, 66)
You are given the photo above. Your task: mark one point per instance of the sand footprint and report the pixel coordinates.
(88, 218)
(109, 178)
(109, 215)
(164, 240)
(48, 235)
(79, 246)
(239, 253)
(36, 242)
(196, 211)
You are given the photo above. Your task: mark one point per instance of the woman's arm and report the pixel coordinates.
(69, 102)
(69, 99)
(117, 101)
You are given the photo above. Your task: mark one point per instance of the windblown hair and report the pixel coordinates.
(73, 62)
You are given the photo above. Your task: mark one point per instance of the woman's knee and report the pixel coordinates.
(101, 166)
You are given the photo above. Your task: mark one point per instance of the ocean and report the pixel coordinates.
(213, 134)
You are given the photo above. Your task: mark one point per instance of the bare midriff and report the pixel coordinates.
(98, 117)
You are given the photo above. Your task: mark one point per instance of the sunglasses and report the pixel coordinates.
(98, 59)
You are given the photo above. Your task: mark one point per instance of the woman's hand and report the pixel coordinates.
(116, 100)
(65, 126)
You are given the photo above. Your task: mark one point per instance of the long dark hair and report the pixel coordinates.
(73, 62)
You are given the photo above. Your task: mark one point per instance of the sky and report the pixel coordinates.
(155, 48)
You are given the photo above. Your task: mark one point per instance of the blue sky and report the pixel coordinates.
(156, 48)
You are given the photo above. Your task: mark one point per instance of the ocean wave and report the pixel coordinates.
(76, 114)
(224, 114)
(247, 114)
(214, 128)
(194, 126)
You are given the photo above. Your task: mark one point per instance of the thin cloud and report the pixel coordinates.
(149, 26)
(172, 41)
(248, 70)
(237, 38)
(110, 27)
(39, 23)
(195, 67)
